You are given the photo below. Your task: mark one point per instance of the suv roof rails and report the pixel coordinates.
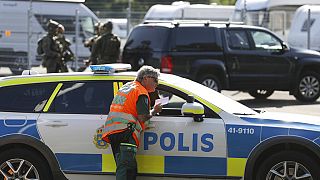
(205, 22)
(157, 21)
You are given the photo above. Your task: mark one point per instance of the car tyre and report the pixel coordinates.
(16, 72)
(308, 87)
(261, 93)
(288, 165)
(23, 164)
(211, 81)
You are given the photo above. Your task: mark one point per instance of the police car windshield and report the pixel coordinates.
(217, 99)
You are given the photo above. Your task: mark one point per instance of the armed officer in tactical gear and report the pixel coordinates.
(107, 47)
(50, 47)
(91, 41)
(64, 47)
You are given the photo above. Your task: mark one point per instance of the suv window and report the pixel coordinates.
(237, 39)
(25, 98)
(148, 37)
(265, 41)
(83, 98)
(196, 39)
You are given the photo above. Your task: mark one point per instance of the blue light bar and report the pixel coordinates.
(110, 68)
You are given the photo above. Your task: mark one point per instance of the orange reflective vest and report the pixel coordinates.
(123, 110)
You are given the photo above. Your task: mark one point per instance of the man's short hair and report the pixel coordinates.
(147, 71)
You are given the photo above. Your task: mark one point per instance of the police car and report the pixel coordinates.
(49, 122)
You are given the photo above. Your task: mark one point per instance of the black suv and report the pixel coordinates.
(226, 56)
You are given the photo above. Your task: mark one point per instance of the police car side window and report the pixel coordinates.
(83, 97)
(25, 98)
(177, 99)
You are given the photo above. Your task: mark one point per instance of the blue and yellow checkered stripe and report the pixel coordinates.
(150, 164)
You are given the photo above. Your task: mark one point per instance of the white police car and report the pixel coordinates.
(47, 125)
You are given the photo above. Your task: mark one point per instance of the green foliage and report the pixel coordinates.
(141, 5)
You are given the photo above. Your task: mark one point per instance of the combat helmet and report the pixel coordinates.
(106, 27)
(52, 26)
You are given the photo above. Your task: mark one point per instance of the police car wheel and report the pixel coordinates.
(288, 165)
(261, 93)
(308, 87)
(211, 81)
(23, 164)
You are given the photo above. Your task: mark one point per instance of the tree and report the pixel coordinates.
(141, 5)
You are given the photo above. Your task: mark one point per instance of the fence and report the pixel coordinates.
(19, 32)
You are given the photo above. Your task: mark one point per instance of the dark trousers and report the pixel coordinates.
(124, 153)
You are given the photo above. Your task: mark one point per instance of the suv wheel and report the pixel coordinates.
(23, 164)
(288, 165)
(261, 93)
(16, 72)
(308, 87)
(211, 81)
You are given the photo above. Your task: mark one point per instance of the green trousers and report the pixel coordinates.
(124, 151)
(126, 162)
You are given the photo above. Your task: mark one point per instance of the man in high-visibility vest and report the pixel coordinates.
(129, 115)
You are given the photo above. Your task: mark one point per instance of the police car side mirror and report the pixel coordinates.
(193, 108)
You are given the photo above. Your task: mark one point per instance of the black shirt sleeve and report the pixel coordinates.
(143, 105)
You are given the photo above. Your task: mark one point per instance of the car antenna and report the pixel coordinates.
(207, 23)
(175, 23)
(228, 23)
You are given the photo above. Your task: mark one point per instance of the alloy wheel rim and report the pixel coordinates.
(18, 169)
(289, 170)
(309, 86)
(210, 83)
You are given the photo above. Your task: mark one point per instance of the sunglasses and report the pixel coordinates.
(154, 79)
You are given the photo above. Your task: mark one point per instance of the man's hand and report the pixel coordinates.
(156, 109)
(145, 117)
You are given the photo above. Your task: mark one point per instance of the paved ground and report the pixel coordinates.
(280, 101)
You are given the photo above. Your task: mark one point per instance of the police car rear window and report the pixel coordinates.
(25, 98)
(83, 97)
(148, 38)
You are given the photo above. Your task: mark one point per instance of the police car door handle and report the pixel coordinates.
(55, 124)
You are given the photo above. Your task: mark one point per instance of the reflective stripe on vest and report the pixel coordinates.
(117, 118)
(123, 111)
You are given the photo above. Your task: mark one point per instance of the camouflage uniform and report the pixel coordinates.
(106, 48)
(52, 54)
(67, 54)
(50, 47)
(91, 41)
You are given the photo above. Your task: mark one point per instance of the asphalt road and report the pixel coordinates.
(280, 101)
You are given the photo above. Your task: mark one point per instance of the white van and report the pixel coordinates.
(298, 34)
(275, 15)
(185, 10)
(14, 29)
(119, 26)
